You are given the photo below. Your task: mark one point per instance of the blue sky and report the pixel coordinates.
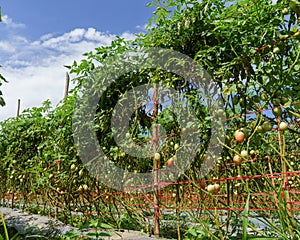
(37, 38)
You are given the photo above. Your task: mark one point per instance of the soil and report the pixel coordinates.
(25, 224)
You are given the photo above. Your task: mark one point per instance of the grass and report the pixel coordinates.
(7, 233)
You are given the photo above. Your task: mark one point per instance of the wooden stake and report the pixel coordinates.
(18, 108)
(67, 85)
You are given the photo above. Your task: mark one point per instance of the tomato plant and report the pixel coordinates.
(251, 50)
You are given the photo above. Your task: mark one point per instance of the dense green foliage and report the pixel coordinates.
(251, 50)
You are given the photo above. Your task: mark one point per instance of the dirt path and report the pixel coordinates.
(27, 224)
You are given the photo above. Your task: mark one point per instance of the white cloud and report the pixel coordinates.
(35, 69)
(10, 23)
(46, 37)
(19, 39)
(17, 63)
(127, 35)
(92, 34)
(6, 47)
(142, 27)
(78, 38)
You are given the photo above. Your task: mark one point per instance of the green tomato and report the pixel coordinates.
(73, 167)
(276, 50)
(277, 111)
(244, 154)
(242, 102)
(80, 173)
(252, 152)
(283, 126)
(176, 146)
(284, 100)
(285, 11)
(157, 156)
(275, 101)
(256, 99)
(235, 100)
(227, 140)
(267, 126)
(263, 96)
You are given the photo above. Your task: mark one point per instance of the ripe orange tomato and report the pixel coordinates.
(239, 136)
(170, 162)
(237, 160)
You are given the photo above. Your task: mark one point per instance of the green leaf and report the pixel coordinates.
(193, 232)
(5, 229)
(106, 226)
(99, 234)
(246, 219)
(2, 102)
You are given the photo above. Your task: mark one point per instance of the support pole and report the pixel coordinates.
(67, 85)
(18, 108)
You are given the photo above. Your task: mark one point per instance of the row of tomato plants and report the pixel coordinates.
(252, 57)
(40, 164)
